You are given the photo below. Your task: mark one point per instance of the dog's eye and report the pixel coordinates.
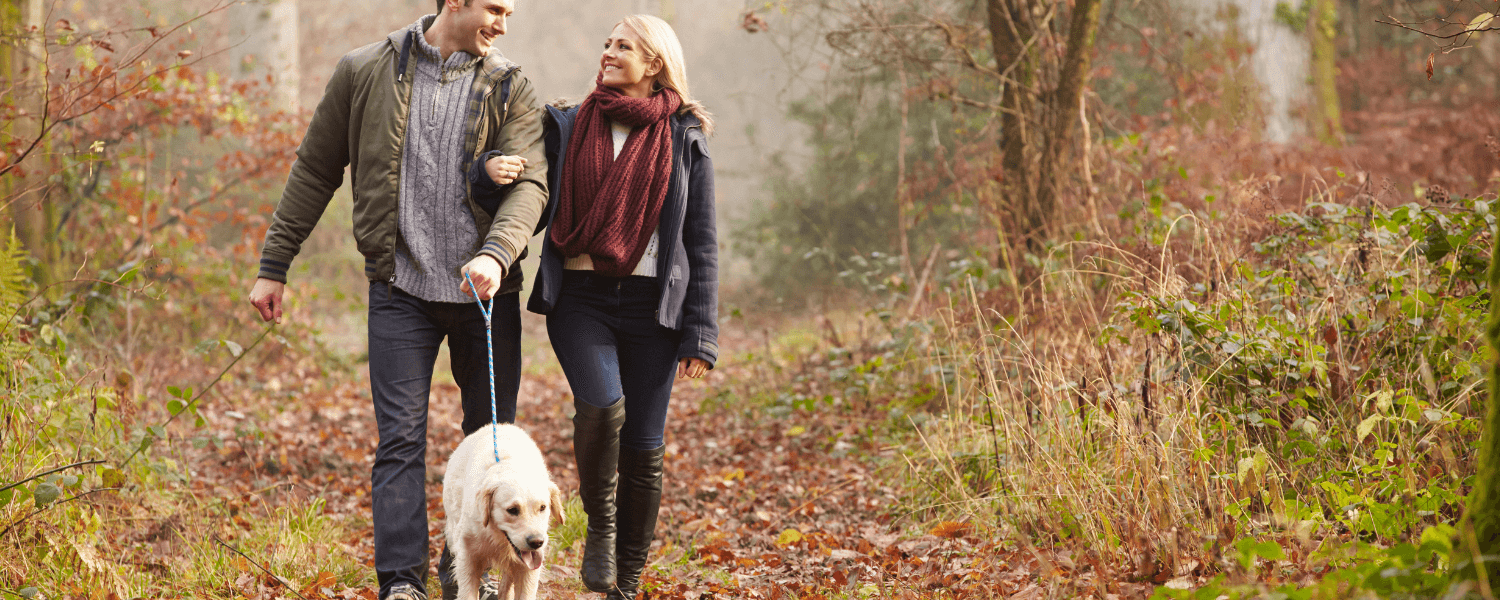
(542, 508)
(514, 510)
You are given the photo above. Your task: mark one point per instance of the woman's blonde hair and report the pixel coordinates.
(658, 40)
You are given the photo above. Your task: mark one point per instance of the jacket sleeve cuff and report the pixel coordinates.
(707, 351)
(494, 250)
(273, 269)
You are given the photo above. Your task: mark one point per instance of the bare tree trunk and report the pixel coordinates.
(1011, 32)
(1322, 20)
(902, 224)
(26, 72)
(1074, 77)
(264, 34)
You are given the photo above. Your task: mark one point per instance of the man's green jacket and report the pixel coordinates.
(361, 122)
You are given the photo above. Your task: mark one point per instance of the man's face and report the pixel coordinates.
(479, 23)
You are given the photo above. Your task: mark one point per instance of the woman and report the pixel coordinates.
(628, 281)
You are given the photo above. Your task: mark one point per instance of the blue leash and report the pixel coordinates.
(489, 347)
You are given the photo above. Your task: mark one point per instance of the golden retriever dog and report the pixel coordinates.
(499, 512)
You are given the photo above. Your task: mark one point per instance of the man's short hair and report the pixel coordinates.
(440, 4)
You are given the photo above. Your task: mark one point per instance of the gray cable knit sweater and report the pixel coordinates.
(436, 225)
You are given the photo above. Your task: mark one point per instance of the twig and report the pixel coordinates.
(1466, 31)
(201, 393)
(51, 471)
(279, 579)
(920, 293)
(49, 286)
(38, 511)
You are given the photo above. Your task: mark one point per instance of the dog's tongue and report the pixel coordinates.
(533, 559)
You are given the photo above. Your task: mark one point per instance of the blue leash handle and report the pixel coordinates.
(489, 347)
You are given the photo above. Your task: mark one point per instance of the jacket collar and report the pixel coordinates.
(493, 67)
(680, 122)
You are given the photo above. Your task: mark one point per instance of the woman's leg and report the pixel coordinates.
(648, 363)
(584, 342)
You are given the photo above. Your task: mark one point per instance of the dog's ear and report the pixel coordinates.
(556, 504)
(487, 500)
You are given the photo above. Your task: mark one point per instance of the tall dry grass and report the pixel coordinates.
(1309, 379)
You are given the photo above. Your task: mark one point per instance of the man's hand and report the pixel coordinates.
(486, 273)
(266, 298)
(691, 368)
(504, 169)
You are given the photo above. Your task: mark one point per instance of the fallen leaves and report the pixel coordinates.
(950, 529)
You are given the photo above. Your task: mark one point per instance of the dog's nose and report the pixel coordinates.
(536, 543)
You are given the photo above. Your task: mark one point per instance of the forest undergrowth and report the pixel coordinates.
(1240, 372)
(1235, 405)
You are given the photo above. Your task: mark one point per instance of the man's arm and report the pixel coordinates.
(317, 172)
(523, 200)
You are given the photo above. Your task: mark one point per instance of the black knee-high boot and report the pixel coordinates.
(639, 502)
(596, 448)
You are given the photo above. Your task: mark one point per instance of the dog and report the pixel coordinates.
(498, 513)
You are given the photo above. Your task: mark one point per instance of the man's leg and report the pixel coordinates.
(403, 347)
(466, 349)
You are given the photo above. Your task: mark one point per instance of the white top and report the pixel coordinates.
(647, 266)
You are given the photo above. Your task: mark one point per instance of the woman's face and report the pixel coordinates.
(624, 67)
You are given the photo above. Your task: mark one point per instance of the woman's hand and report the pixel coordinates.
(505, 169)
(691, 368)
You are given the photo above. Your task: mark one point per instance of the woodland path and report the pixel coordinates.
(755, 507)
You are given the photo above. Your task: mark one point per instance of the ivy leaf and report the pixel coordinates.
(45, 494)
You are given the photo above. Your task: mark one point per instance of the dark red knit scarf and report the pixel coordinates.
(609, 205)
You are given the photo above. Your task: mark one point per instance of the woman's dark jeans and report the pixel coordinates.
(405, 333)
(605, 334)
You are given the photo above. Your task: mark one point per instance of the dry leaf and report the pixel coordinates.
(1430, 57)
(950, 529)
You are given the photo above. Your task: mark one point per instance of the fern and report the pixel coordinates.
(14, 282)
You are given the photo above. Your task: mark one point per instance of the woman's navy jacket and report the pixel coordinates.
(687, 267)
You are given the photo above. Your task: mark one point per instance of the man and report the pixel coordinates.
(443, 137)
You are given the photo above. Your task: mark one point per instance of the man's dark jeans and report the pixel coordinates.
(405, 332)
(605, 334)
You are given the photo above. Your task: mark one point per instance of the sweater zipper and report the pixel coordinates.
(401, 148)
